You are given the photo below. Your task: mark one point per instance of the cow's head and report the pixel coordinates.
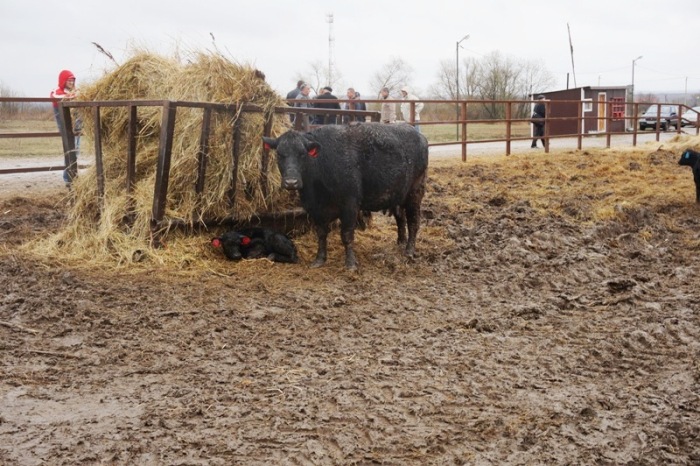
(231, 242)
(294, 149)
(689, 158)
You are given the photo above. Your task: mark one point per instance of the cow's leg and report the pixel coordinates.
(322, 236)
(696, 177)
(412, 213)
(348, 221)
(400, 216)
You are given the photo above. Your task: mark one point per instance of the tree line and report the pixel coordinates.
(491, 78)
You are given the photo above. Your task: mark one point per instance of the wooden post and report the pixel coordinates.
(463, 111)
(579, 124)
(131, 150)
(70, 158)
(99, 165)
(165, 149)
(509, 115)
(235, 154)
(203, 152)
(265, 162)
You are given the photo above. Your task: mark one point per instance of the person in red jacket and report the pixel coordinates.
(65, 91)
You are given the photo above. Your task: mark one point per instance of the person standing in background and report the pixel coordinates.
(294, 93)
(304, 97)
(388, 110)
(353, 104)
(65, 91)
(406, 108)
(332, 104)
(538, 115)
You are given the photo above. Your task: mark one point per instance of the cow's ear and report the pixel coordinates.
(269, 143)
(312, 149)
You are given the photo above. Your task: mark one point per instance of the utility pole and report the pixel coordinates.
(457, 77)
(632, 90)
(331, 39)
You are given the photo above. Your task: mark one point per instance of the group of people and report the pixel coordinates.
(301, 94)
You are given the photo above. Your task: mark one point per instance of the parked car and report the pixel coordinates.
(690, 117)
(668, 117)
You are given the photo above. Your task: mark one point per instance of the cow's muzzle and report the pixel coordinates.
(291, 183)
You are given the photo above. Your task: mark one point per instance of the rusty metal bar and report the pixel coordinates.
(99, 165)
(265, 159)
(69, 156)
(509, 114)
(635, 119)
(236, 155)
(10, 171)
(203, 152)
(608, 124)
(160, 192)
(29, 135)
(297, 121)
(463, 113)
(579, 124)
(132, 131)
(547, 111)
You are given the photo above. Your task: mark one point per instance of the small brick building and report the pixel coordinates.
(594, 102)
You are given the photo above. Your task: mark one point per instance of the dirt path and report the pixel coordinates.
(528, 331)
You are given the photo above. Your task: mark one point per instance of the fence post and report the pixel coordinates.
(70, 158)
(165, 150)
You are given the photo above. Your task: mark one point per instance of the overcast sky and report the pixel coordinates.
(281, 38)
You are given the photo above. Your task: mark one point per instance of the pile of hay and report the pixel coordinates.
(93, 232)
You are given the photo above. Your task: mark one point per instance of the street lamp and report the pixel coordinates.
(457, 75)
(632, 91)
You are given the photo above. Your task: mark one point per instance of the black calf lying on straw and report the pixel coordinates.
(691, 159)
(256, 243)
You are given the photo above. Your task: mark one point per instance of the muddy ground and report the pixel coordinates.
(525, 333)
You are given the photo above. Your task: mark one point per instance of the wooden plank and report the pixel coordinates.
(132, 132)
(203, 152)
(165, 149)
(99, 165)
(267, 132)
(68, 138)
(236, 154)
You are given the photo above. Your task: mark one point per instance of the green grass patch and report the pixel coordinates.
(475, 131)
(28, 147)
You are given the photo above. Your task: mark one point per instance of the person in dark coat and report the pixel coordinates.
(327, 93)
(294, 93)
(538, 115)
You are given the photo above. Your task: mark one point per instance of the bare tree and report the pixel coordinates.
(493, 77)
(9, 108)
(535, 78)
(318, 76)
(393, 75)
(446, 85)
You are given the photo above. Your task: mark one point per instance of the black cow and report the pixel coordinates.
(256, 243)
(341, 170)
(691, 159)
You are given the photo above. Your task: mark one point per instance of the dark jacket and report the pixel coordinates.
(332, 104)
(538, 114)
(354, 104)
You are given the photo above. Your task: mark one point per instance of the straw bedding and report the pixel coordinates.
(120, 229)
